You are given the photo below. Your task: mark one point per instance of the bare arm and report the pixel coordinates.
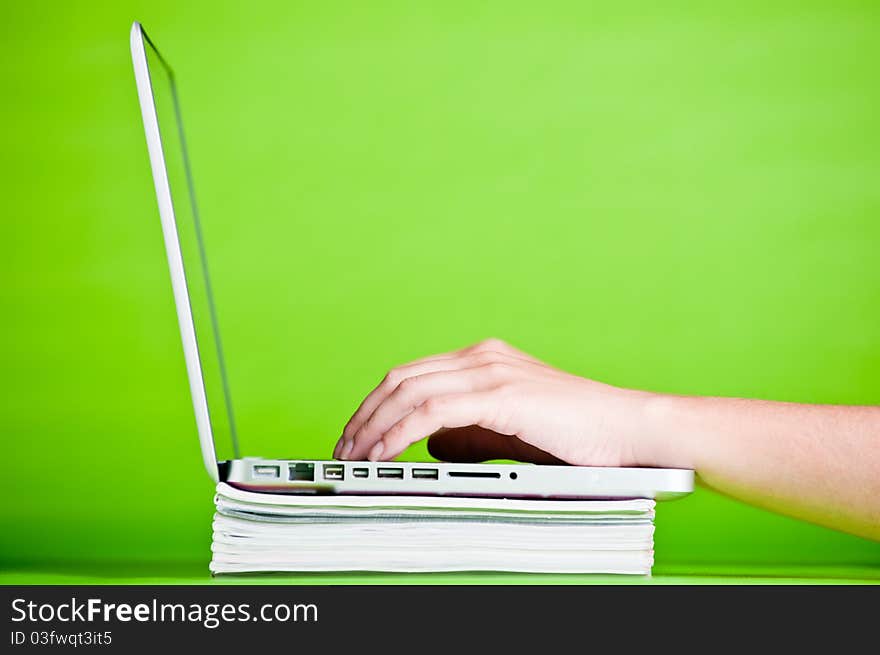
(820, 463)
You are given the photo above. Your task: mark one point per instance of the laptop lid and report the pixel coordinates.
(184, 244)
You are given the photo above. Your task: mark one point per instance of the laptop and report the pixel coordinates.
(203, 353)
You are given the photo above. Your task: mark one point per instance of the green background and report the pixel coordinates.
(681, 197)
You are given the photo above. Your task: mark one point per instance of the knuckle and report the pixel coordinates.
(492, 343)
(407, 386)
(392, 378)
(432, 406)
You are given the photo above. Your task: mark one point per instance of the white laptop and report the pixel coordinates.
(160, 108)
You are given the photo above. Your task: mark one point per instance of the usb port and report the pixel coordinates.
(334, 472)
(360, 473)
(266, 471)
(395, 473)
(424, 474)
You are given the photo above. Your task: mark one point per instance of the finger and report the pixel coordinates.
(450, 411)
(397, 376)
(413, 391)
(476, 444)
(412, 368)
(393, 378)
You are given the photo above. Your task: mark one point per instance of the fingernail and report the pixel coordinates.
(338, 447)
(376, 451)
(346, 449)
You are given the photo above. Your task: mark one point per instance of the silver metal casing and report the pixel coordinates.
(434, 478)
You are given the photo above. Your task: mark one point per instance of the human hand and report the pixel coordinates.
(492, 401)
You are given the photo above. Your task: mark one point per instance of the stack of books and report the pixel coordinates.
(256, 532)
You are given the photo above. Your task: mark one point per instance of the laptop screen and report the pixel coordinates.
(192, 239)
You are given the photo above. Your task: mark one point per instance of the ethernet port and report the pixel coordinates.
(302, 471)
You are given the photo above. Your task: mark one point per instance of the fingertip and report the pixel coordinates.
(376, 451)
(346, 449)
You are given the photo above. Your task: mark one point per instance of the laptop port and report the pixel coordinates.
(334, 472)
(395, 473)
(425, 474)
(266, 471)
(360, 472)
(302, 471)
(473, 474)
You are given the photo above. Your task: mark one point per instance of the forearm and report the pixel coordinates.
(820, 463)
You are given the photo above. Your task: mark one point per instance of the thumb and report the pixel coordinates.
(476, 444)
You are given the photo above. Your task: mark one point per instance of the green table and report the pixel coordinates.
(185, 573)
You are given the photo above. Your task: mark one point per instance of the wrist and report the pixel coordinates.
(660, 436)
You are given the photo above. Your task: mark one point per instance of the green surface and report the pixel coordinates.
(195, 573)
(680, 197)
